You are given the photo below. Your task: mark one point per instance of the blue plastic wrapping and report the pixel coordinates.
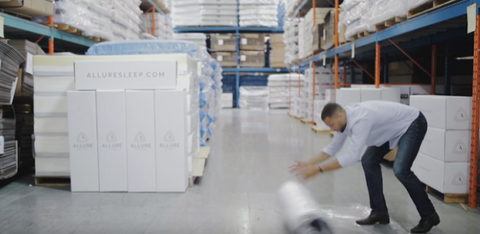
(203, 99)
(145, 47)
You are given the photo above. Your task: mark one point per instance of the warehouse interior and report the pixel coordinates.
(187, 116)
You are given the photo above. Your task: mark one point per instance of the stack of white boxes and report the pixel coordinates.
(443, 162)
(227, 100)
(315, 90)
(143, 139)
(320, 14)
(317, 119)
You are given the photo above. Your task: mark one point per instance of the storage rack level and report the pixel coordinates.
(237, 31)
(442, 25)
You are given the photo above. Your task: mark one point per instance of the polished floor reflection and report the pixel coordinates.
(250, 155)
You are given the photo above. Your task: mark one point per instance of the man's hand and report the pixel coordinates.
(305, 170)
(298, 165)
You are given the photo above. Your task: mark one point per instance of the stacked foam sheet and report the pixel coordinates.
(163, 26)
(204, 13)
(8, 155)
(280, 87)
(27, 49)
(108, 19)
(290, 37)
(53, 77)
(254, 97)
(11, 60)
(198, 38)
(258, 13)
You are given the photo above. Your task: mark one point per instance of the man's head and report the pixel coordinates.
(334, 116)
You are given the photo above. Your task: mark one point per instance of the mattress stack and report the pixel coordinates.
(163, 26)
(198, 38)
(8, 153)
(11, 60)
(204, 13)
(258, 13)
(108, 19)
(280, 88)
(291, 39)
(254, 97)
(302, 53)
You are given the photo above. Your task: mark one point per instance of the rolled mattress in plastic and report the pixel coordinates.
(301, 212)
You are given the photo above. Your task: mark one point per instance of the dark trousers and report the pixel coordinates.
(408, 147)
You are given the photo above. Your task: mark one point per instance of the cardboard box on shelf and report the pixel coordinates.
(29, 7)
(447, 145)
(140, 117)
(252, 58)
(254, 42)
(82, 131)
(226, 59)
(318, 38)
(445, 177)
(171, 141)
(112, 150)
(223, 42)
(445, 112)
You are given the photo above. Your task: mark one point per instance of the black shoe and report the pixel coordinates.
(426, 224)
(373, 219)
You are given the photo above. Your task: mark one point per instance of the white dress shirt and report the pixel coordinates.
(371, 123)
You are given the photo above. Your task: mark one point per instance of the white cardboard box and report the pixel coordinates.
(445, 112)
(444, 177)
(347, 96)
(128, 74)
(171, 141)
(447, 145)
(390, 94)
(371, 94)
(112, 150)
(82, 131)
(140, 117)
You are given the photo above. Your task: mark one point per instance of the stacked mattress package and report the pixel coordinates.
(258, 13)
(302, 53)
(198, 38)
(281, 87)
(163, 26)
(359, 16)
(282, 12)
(204, 13)
(107, 19)
(253, 97)
(290, 37)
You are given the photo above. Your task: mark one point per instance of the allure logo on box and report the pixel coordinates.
(169, 142)
(112, 142)
(82, 142)
(140, 142)
(128, 75)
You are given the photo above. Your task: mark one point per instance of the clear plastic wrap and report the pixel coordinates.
(258, 23)
(145, 47)
(383, 10)
(349, 4)
(357, 12)
(254, 97)
(257, 11)
(259, 17)
(257, 2)
(415, 3)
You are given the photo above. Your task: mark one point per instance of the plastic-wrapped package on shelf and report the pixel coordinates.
(163, 25)
(263, 13)
(415, 3)
(204, 13)
(254, 97)
(198, 38)
(383, 10)
(280, 86)
(347, 17)
(282, 13)
(290, 37)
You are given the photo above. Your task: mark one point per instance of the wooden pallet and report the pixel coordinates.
(306, 121)
(449, 197)
(363, 34)
(428, 6)
(318, 130)
(52, 181)
(69, 29)
(200, 163)
(389, 23)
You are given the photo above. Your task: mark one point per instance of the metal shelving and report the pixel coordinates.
(306, 5)
(228, 29)
(151, 3)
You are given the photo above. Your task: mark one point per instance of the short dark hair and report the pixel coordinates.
(330, 110)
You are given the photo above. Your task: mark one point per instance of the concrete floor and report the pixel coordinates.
(249, 160)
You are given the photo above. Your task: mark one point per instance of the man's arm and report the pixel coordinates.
(359, 139)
